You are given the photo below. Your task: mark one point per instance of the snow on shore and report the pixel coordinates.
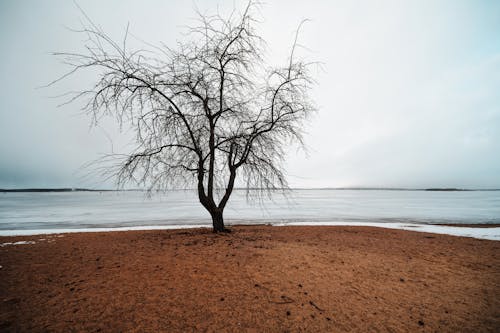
(480, 233)
(17, 243)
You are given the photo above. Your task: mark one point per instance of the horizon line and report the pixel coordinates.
(358, 188)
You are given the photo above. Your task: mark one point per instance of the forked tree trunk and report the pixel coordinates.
(218, 221)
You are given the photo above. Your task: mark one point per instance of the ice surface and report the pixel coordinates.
(49, 213)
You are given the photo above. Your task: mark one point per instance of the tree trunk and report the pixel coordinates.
(218, 221)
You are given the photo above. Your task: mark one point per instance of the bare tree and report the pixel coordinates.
(205, 112)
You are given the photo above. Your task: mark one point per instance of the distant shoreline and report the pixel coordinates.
(437, 189)
(57, 190)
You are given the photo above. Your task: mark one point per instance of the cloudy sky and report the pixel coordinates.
(409, 95)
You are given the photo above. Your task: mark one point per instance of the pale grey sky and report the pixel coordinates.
(409, 95)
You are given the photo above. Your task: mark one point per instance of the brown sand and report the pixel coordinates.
(256, 279)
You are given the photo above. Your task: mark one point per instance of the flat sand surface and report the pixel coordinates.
(256, 279)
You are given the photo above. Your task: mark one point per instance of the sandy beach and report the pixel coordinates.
(256, 279)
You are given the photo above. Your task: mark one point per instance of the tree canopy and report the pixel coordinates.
(205, 112)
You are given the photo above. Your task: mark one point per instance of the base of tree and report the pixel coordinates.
(224, 230)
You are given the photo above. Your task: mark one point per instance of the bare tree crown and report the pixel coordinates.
(203, 112)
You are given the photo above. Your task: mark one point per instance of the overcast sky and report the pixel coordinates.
(409, 95)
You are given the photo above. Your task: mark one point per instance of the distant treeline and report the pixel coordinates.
(51, 190)
(447, 189)
(450, 189)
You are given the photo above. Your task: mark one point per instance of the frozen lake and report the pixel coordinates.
(83, 210)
